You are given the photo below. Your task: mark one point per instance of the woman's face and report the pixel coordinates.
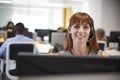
(79, 32)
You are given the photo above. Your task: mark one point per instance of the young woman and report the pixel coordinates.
(81, 37)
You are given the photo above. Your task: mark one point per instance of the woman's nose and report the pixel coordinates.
(80, 29)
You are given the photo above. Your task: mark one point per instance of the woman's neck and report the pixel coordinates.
(80, 49)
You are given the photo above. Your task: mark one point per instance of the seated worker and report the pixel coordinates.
(8, 30)
(19, 30)
(61, 29)
(100, 34)
(1, 38)
(9, 26)
(81, 37)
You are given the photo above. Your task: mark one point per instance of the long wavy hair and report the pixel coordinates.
(82, 18)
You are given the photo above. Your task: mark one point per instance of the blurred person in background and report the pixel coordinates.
(10, 25)
(100, 35)
(19, 30)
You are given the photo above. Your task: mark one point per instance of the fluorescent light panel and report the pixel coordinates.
(75, 0)
(5, 1)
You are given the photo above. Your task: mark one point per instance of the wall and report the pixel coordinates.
(105, 13)
(89, 7)
(5, 15)
(93, 8)
(110, 15)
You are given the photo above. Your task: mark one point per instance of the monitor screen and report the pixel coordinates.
(52, 65)
(1, 32)
(1, 28)
(29, 34)
(58, 37)
(42, 32)
(10, 34)
(114, 36)
(50, 34)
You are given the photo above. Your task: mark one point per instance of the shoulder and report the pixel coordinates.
(9, 40)
(102, 53)
(105, 54)
(29, 38)
(26, 38)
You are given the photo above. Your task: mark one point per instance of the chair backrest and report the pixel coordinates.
(102, 45)
(1, 43)
(13, 49)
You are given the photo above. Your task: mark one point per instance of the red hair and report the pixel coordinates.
(82, 18)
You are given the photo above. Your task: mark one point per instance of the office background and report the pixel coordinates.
(49, 13)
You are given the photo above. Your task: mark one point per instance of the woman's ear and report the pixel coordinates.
(69, 30)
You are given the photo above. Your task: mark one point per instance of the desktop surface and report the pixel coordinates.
(83, 76)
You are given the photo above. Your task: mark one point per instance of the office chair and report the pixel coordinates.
(12, 50)
(1, 60)
(1, 43)
(102, 45)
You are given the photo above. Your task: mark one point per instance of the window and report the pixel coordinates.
(39, 18)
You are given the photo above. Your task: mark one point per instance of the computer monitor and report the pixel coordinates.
(42, 32)
(50, 34)
(2, 31)
(1, 28)
(52, 31)
(29, 34)
(102, 45)
(115, 37)
(29, 64)
(10, 34)
(58, 40)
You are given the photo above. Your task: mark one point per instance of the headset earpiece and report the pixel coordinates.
(92, 32)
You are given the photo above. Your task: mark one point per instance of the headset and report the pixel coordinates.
(92, 32)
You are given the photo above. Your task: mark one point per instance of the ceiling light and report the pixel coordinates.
(5, 1)
(75, 0)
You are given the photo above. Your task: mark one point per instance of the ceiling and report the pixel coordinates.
(38, 1)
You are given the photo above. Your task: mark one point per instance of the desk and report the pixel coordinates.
(44, 48)
(113, 52)
(84, 76)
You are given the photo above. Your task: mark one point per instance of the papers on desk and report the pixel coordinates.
(44, 48)
(113, 52)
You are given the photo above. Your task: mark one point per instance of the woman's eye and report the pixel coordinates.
(86, 27)
(76, 27)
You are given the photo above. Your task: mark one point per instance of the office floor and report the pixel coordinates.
(1, 74)
(4, 78)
